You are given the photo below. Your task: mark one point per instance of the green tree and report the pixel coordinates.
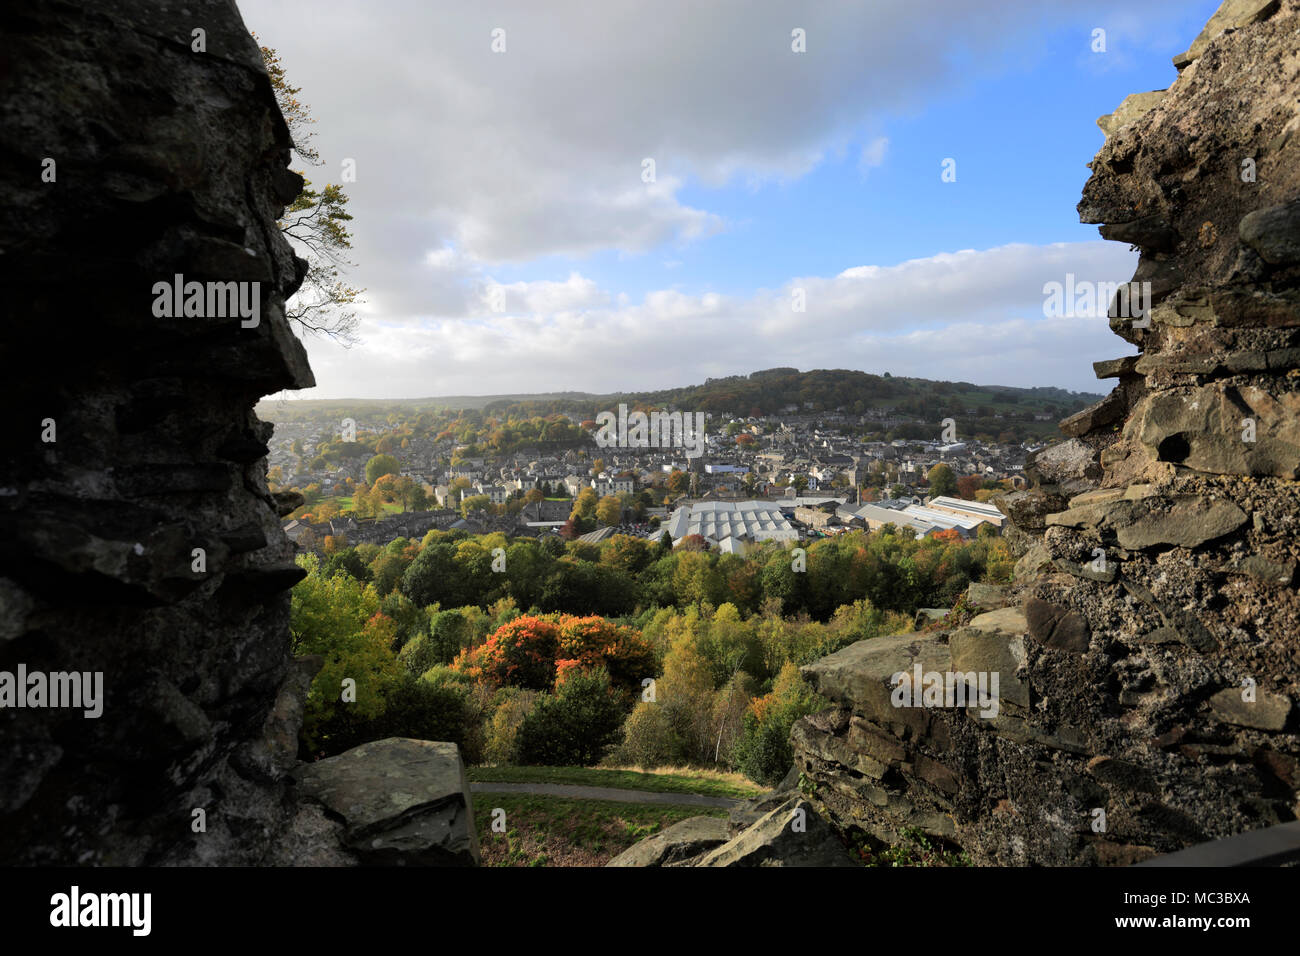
(942, 480)
(381, 465)
(574, 727)
(475, 504)
(338, 618)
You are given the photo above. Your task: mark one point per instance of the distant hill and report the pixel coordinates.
(767, 392)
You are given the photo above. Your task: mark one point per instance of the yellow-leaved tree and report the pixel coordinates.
(316, 225)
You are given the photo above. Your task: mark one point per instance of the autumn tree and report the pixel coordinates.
(316, 225)
(609, 510)
(585, 505)
(967, 485)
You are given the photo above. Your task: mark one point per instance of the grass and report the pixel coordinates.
(555, 831)
(345, 504)
(914, 849)
(664, 780)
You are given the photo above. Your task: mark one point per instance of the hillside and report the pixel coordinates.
(766, 392)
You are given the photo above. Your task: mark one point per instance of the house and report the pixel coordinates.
(813, 517)
(496, 494)
(613, 486)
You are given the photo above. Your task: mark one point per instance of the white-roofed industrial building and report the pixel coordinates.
(945, 519)
(970, 509)
(875, 517)
(743, 521)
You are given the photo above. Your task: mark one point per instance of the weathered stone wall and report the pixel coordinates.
(1159, 544)
(167, 161)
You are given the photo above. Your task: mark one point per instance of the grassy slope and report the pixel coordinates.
(709, 783)
(554, 831)
(558, 831)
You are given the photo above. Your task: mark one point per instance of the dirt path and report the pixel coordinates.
(606, 793)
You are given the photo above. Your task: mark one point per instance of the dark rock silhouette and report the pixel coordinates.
(131, 159)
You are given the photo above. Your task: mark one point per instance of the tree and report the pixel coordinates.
(763, 751)
(405, 490)
(942, 480)
(474, 503)
(381, 465)
(326, 510)
(338, 618)
(316, 224)
(609, 510)
(967, 485)
(585, 505)
(573, 728)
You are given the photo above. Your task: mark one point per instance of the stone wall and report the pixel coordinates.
(166, 160)
(1149, 654)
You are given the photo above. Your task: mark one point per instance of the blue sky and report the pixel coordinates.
(520, 172)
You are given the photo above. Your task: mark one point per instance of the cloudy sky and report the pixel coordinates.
(511, 238)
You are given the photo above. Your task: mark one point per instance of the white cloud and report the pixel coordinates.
(469, 162)
(537, 151)
(873, 154)
(969, 315)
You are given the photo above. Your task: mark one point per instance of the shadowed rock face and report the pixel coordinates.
(401, 801)
(1159, 542)
(166, 161)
